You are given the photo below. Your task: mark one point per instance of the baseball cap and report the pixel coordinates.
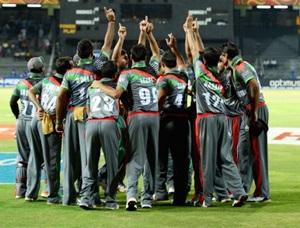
(35, 63)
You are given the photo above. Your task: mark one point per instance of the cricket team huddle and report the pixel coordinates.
(166, 118)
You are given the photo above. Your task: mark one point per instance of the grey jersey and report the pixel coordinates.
(77, 80)
(209, 90)
(233, 106)
(48, 89)
(242, 74)
(176, 86)
(101, 105)
(141, 87)
(27, 109)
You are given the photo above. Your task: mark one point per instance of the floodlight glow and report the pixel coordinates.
(9, 5)
(34, 5)
(281, 7)
(263, 7)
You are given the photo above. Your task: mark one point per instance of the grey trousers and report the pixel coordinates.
(74, 158)
(51, 145)
(47, 156)
(215, 144)
(23, 141)
(35, 161)
(101, 134)
(253, 156)
(143, 131)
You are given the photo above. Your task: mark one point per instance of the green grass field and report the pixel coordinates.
(283, 211)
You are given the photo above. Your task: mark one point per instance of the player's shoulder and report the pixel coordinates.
(243, 66)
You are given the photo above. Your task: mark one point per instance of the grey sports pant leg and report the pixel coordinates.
(51, 145)
(259, 149)
(110, 139)
(74, 157)
(22, 138)
(244, 154)
(35, 161)
(253, 156)
(143, 139)
(101, 133)
(215, 149)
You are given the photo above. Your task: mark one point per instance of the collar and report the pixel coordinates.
(237, 59)
(172, 71)
(35, 75)
(58, 75)
(106, 80)
(139, 64)
(85, 61)
(214, 70)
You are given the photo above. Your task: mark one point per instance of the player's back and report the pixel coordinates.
(175, 84)
(27, 109)
(101, 105)
(209, 90)
(142, 89)
(77, 81)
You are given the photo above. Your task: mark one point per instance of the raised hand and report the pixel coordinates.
(149, 28)
(143, 24)
(184, 26)
(171, 41)
(189, 22)
(195, 25)
(110, 14)
(122, 32)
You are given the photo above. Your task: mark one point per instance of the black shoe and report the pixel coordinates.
(240, 202)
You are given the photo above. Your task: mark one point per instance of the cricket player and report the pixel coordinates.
(254, 125)
(102, 132)
(174, 124)
(75, 84)
(47, 90)
(143, 120)
(213, 139)
(24, 116)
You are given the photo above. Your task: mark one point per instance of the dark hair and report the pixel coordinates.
(169, 59)
(84, 49)
(138, 52)
(123, 52)
(231, 50)
(109, 70)
(63, 64)
(211, 56)
(37, 71)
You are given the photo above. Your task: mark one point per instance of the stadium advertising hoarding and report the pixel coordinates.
(282, 84)
(9, 82)
(266, 2)
(23, 2)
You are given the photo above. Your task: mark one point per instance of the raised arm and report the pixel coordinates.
(186, 46)
(191, 38)
(198, 43)
(152, 41)
(109, 36)
(118, 48)
(142, 36)
(172, 44)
